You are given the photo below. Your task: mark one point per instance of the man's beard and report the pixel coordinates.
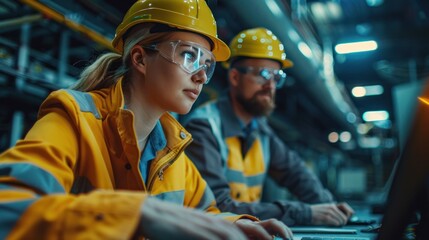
(256, 107)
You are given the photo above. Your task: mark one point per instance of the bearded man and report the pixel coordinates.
(235, 149)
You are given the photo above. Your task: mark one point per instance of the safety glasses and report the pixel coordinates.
(265, 74)
(190, 56)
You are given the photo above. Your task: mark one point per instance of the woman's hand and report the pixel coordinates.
(162, 220)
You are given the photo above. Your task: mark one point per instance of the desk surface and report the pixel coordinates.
(358, 235)
(361, 212)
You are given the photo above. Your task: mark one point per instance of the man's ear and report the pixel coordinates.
(139, 58)
(234, 77)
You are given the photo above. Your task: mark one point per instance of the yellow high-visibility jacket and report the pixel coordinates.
(76, 173)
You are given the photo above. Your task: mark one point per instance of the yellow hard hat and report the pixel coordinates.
(189, 15)
(258, 43)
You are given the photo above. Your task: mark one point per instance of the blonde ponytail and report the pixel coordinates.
(101, 73)
(109, 67)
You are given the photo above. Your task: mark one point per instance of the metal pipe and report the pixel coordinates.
(23, 55)
(63, 56)
(98, 38)
(19, 21)
(23, 58)
(17, 127)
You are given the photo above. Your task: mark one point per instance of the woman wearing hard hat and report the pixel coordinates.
(112, 133)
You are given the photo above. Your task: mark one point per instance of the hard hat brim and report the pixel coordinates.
(286, 63)
(220, 49)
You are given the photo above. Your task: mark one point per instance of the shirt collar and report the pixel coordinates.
(156, 142)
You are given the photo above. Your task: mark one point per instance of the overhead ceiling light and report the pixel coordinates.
(372, 116)
(305, 49)
(387, 124)
(362, 91)
(374, 3)
(363, 128)
(353, 47)
(345, 136)
(351, 117)
(333, 137)
(374, 90)
(318, 10)
(274, 7)
(369, 142)
(363, 29)
(294, 36)
(335, 11)
(358, 91)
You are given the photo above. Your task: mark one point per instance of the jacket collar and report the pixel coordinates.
(111, 104)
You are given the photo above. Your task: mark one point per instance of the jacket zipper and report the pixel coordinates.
(160, 172)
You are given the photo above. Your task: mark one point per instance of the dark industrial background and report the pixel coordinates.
(45, 44)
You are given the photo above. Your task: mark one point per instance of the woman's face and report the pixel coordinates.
(166, 84)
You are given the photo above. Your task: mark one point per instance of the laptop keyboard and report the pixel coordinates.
(333, 238)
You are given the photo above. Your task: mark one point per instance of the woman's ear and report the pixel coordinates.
(139, 58)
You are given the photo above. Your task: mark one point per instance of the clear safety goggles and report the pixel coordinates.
(190, 56)
(265, 74)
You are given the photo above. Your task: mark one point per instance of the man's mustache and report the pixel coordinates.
(264, 92)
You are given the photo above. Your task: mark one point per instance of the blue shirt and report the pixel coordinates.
(156, 141)
(251, 126)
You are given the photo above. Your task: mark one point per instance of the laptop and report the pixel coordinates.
(409, 192)
(408, 195)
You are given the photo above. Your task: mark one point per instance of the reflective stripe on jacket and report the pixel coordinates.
(245, 174)
(84, 142)
(237, 180)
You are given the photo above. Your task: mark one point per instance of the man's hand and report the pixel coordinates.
(161, 220)
(264, 229)
(330, 214)
(346, 209)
